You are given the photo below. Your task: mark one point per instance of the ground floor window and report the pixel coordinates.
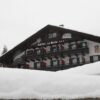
(61, 62)
(95, 58)
(74, 59)
(37, 65)
(87, 58)
(66, 60)
(81, 59)
(30, 64)
(54, 62)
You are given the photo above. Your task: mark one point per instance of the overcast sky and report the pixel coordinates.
(21, 18)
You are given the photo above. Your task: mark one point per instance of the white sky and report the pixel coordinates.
(21, 18)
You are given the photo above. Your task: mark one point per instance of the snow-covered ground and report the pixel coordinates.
(79, 82)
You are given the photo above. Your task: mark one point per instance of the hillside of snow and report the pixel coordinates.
(79, 82)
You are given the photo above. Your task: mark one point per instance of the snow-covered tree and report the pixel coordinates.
(4, 50)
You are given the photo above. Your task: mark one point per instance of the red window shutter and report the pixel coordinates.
(62, 62)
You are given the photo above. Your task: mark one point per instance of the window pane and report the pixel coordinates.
(38, 51)
(73, 46)
(38, 65)
(61, 62)
(81, 59)
(66, 59)
(83, 44)
(66, 46)
(49, 36)
(48, 49)
(95, 58)
(67, 35)
(97, 50)
(55, 63)
(54, 49)
(54, 35)
(87, 59)
(74, 60)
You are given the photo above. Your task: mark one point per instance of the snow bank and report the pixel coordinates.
(69, 84)
(88, 69)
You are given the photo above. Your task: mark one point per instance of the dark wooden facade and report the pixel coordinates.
(54, 48)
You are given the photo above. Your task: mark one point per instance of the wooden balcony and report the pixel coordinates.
(68, 52)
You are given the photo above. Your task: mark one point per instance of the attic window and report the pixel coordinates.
(66, 35)
(52, 35)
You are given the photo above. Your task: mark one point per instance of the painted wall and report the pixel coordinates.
(91, 46)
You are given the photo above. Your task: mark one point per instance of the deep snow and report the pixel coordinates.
(79, 82)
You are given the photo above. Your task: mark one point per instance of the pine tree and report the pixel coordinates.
(4, 50)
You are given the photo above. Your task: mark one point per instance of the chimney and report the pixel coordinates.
(61, 25)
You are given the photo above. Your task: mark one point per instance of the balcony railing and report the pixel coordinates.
(83, 50)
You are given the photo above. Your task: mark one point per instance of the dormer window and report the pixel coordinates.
(67, 35)
(52, 35)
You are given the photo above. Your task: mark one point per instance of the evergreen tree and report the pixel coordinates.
(4, 50)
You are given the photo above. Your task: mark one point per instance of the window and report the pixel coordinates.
(43, 65)
(66, 35)
(67, 60)
(95, 58)
(54, 48)
(29, 52)
(48, 62)
(61, 47)
(87, 58)
(43, 50)
(81, 58)
(38, 64)
(52, 35)
(83, 44)
(61, 62)
(49, 36)
(48, 49)
(54, 62)
(73, 45)
(74, 59)
(66, 46)
(31, 64)
(97, 49)
(38, 51)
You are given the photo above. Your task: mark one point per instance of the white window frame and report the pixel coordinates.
(53, 62)
(95, 58)
(97, 49)
(67, 36)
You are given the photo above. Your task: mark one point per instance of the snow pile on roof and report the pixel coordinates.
(79, 82)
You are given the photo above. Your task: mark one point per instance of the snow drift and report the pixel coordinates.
(79, 82)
